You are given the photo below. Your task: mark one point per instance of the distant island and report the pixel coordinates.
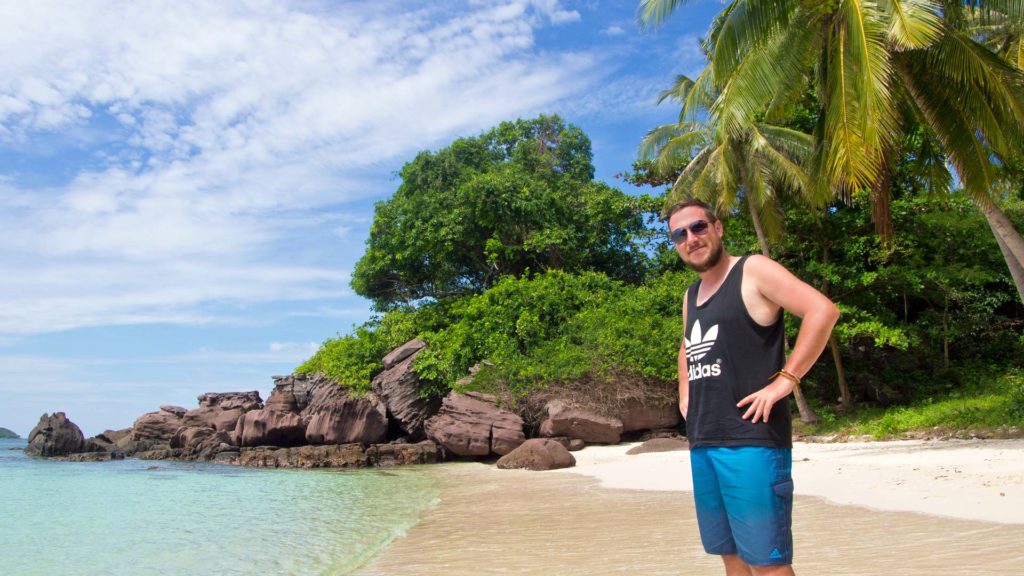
(5, 433)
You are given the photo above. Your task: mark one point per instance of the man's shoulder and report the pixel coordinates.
(759, 265)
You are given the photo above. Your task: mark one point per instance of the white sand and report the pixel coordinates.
(965, 479)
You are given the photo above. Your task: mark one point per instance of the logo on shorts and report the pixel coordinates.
(697, 346)
(775, 555)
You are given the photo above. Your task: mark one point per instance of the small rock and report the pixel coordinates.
(660, 445)
(538, 454)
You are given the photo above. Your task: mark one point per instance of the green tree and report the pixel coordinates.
(881, 69)
(519, 198)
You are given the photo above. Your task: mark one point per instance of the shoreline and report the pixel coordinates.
(980, 480)
(619, 514)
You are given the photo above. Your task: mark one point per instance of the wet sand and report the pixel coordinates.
(493, 521)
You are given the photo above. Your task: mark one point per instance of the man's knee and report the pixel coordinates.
(735, 566)
(772, 570)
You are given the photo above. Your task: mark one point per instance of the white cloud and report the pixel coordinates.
(689, 55)
(201, 132)
(614, 30)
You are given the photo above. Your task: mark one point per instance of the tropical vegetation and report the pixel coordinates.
(872, 148)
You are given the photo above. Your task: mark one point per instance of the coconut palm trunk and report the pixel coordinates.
(1010, 242)
(807, 414)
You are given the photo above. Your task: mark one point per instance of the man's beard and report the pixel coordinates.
(714, 257)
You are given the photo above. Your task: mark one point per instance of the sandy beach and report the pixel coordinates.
(964, 479)
(909, 508)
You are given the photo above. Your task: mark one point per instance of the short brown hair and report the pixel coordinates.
(709, 212)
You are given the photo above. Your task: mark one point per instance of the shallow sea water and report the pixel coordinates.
(508, 522)
(138, 517)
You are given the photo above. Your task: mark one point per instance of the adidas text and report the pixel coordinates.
(698, 371)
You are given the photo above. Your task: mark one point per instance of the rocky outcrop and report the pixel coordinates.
(660, 445)
(270, 427)
(158, 426)
(296, 390)
(55, 436)
(401, 454)
(94, 457)
(399, 387)
(336, 417)
(202, 442)
(221, 410)
(402, 352)
(474, 426)
(339, 456)
(538, 454)
(564, 420)
(114, 436)
(636, 416)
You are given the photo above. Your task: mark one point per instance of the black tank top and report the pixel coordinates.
(730, 356)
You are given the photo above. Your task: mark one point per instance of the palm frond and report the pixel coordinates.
(653, 13)
(761, 75)
(750, 24)
(913, 23)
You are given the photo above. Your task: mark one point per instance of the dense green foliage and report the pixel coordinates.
(518, 198)
(931, 326)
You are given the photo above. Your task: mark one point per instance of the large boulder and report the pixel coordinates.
(637, 416)
(270, 427)
(399, 387)
(336, 417)
(400, 454)
(201, 442)
(221, 410)
(474, 426)
(158, 426)
(278, 423)
(538, 454)
(55, 436)
(402, 352)
(295, 390)
(564, 420)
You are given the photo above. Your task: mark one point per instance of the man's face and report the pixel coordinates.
(700, 252)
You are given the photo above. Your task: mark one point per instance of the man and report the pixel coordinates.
(734, 384)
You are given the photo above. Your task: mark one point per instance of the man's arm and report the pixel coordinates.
(779, 287)
(684, 379)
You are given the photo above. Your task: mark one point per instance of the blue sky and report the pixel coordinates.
(186, 186)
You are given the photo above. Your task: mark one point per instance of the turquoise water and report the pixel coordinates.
(140, 517)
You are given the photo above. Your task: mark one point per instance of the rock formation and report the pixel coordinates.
(55, 436)
(158, 426)
(336, 417)
(221, 410)
(538, 454)
(399, 387)
(564, 420)
(660, 445)
(636, 416)
(473, 426)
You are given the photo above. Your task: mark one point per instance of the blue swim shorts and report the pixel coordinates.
(744, 498)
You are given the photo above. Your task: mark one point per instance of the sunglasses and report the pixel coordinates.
(697, 228)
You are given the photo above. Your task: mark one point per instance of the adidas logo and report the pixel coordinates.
(775, 555)
(699, 344)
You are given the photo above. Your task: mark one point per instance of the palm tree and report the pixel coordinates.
(757, 163)
(880, 69)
